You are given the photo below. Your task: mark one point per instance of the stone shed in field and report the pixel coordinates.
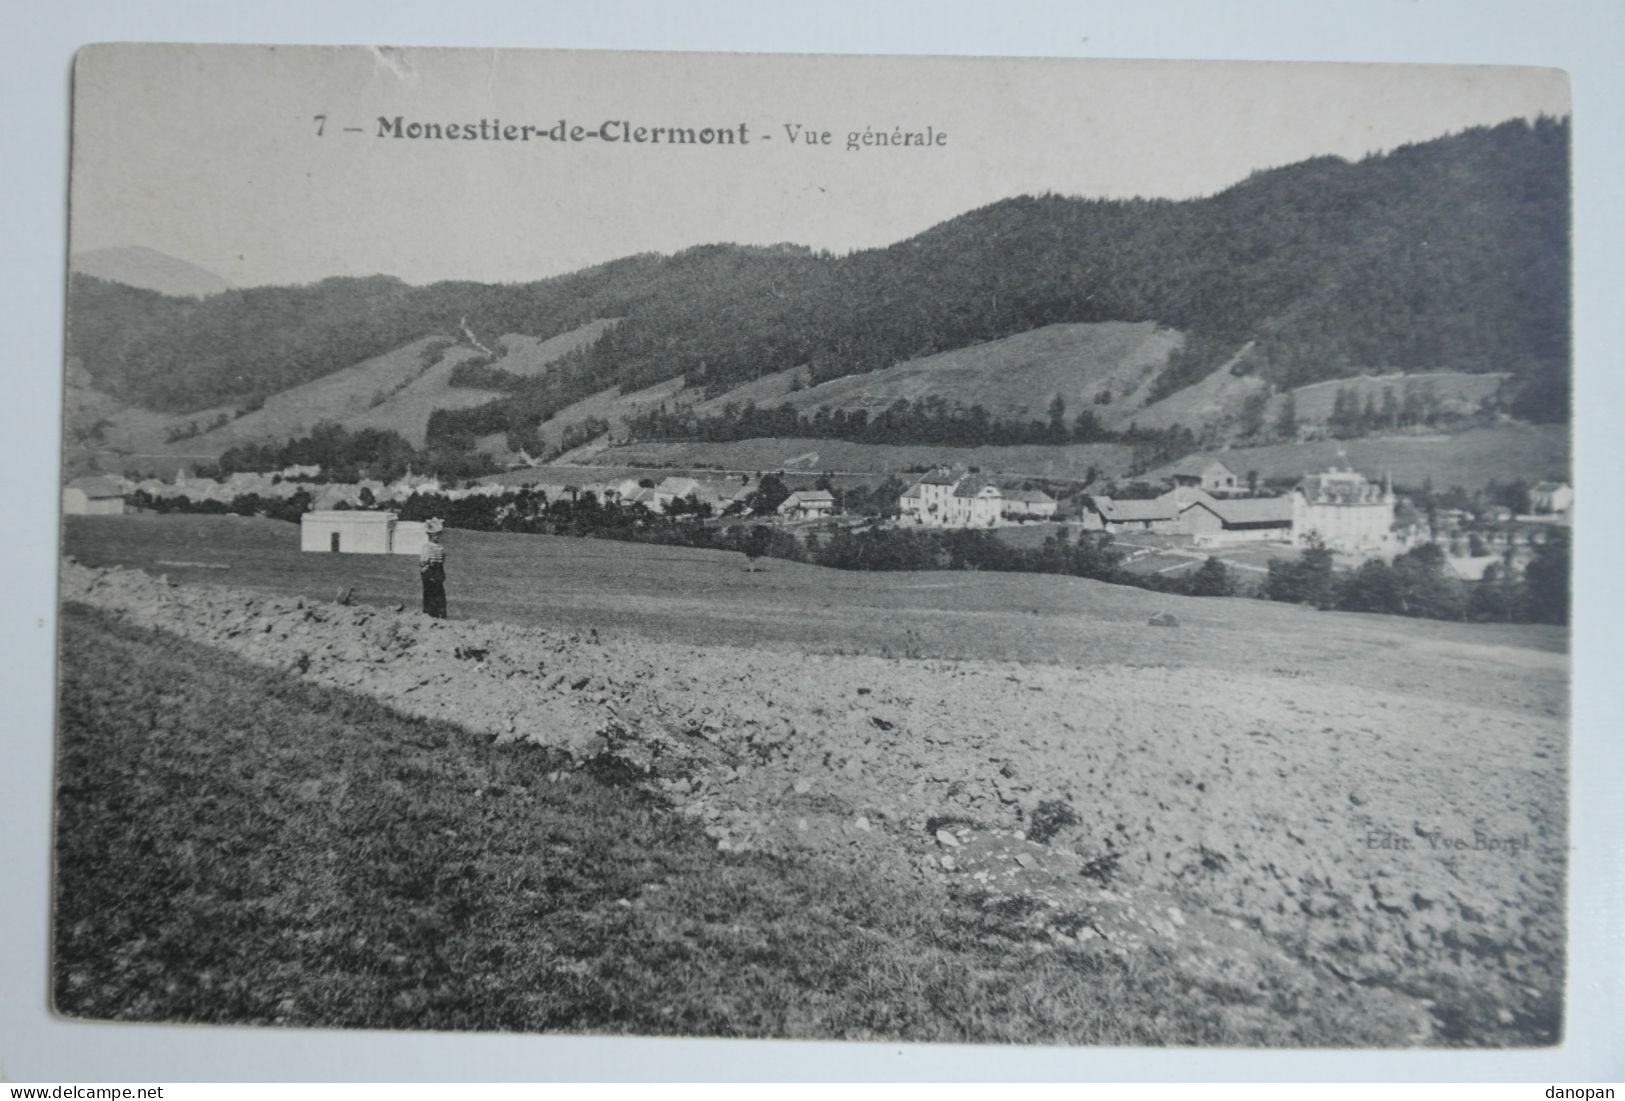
(353, 531)
(93, 497)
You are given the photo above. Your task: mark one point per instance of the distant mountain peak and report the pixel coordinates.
(148, 269)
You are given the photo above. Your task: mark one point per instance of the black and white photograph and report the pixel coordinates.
(909, 549)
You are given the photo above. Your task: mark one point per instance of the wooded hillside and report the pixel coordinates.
(1447, 255)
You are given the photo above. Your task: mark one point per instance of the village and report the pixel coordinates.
(1203, 509)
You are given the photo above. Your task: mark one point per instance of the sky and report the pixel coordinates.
(211, 154)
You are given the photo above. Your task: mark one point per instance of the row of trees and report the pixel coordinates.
(1417, 583)
(289, 508)
(1421, 406)
(347, 456)
(929, 420)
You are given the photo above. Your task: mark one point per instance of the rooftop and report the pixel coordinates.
(352, 515)
(97, 486)
(973, 486)
(1159, 508)
(1253, 510)
(1196, 467)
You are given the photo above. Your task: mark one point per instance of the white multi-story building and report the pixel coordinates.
(927, 502)
(1345, 511)
(945, 499)
(976, 503)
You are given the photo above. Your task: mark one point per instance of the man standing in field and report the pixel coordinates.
(432, 566)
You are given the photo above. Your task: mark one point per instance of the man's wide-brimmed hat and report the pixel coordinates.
(434, 526)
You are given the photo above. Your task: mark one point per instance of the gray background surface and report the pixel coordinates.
(1583, 36)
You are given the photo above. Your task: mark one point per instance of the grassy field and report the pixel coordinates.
(250, 843)
(1016, 377)
(1313, 404)
(1468, 459)
(339, 396)
(1217, 400)
(407, 410)
(610, 405)
(530, 356)
(235, 846)
(708, 598)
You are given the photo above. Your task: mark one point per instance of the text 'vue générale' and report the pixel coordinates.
(624, 132)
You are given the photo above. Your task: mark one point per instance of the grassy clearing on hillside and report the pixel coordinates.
(1469, 459)
(237, 847)
(529, 356)
(1315, 403)
(1016, 377)
(611, 405)
(407, 410)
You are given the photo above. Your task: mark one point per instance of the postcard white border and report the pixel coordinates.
(1584, 37)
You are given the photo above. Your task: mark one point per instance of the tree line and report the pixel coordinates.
(1417, 583)
(353, 456)
(928, 420)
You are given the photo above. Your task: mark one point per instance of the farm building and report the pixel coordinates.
(1157, 514)
(1187, 510)
(1551, 498)
(726, 493)
(1214, 521)
(93, 497)
(1029, 504)
(408, 537)
(671, 489)
(352, 531)
(644, 496)
(1208, 474)
(807, 504)
(1472, 567)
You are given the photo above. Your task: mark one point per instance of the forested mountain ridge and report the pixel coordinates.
(1451, 254)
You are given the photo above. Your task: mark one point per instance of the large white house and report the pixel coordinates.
(976, 503)
(1345, 511)
(926, 502)
(947, 499)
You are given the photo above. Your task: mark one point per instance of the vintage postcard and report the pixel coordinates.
(917, 549)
